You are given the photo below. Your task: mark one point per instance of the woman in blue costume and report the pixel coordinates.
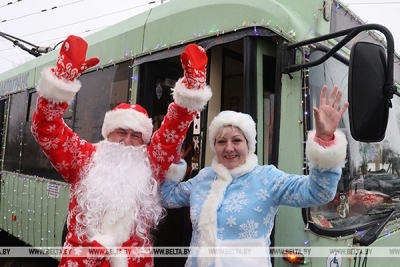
(233, 202)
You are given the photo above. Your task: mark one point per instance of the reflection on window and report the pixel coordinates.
(34, 161)
(17, 117)
(161, 99)
(370, 184)
(101, 91)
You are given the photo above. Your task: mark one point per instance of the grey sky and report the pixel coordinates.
(384, 12)
(25, 20)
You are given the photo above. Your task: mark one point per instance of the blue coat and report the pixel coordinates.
(236, 208)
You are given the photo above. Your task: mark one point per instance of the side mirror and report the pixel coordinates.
(369, 104)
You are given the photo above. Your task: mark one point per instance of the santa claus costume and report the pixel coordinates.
(114, 201)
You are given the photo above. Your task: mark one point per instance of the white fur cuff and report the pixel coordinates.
(57, 90)
(326, 158)
(193, 99)
(176, 172)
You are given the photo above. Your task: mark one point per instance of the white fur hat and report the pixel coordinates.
(128, 116)
(241, 120)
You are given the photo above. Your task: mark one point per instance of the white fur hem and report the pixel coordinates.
(325, 158)
(120, 260)
(193, 99)
(107, 241)
(176, 172)
(57, 90)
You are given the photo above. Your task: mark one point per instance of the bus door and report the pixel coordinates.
(157, 78)
(242, 78)
(241, 75)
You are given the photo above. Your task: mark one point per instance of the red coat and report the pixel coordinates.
(70, 155)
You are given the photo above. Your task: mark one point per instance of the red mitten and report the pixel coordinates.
(71, 60)
(194, 61)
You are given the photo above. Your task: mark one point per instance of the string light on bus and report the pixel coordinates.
(132, 55)
(15, 209)
(291, 33)
(255, 31)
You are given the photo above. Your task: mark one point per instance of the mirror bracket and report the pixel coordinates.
(288, 50)
(389, 90)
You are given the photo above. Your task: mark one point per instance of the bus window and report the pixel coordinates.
(32, 105)
(269, 64)
(33, 160)
(233, 79)
(156, 80)
(370, 180)
(17, 117)
(161, 99)
(3, 107)
(101, 91)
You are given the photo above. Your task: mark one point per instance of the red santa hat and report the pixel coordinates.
(128, 116)
(237, 119)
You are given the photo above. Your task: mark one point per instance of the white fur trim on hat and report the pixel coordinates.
(240, 120)
(193, 99)
(127, 119)
(326, 158)
(57, 90)
(176, 172)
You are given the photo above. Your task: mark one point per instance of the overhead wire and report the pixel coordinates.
(58, 38)
(10, 3)
(105, 15)
(39, 12)
(66, 25)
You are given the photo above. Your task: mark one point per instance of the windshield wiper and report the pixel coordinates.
(380, 211)
(374, 232)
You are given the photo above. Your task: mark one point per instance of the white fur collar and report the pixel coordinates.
(208, 215)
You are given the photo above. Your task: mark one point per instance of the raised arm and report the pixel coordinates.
(326, 153)
(56, 88)
(191, 95)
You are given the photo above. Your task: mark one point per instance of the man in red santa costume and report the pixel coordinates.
(114, 201)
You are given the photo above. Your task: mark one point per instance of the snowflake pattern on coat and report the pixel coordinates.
(70, 156)
(250, 202)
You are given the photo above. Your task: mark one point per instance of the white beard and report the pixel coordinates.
(118, 197)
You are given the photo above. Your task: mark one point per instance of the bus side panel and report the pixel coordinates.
(289, 225)
(33, 209)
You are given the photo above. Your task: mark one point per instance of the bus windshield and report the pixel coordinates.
(369, 187)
